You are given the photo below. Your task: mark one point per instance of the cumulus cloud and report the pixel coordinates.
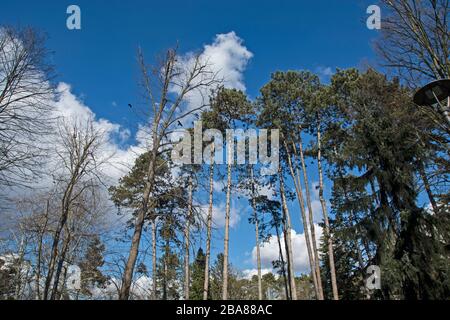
(324, 73)
(249, 273)
(71, 108)
(141, 289)
(270, 251)
(226, 58)
(229, 58)
(218, 214)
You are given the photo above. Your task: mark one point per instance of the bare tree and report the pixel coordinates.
(167, 89)
(25, 101)
(80, 155)
(416, 39)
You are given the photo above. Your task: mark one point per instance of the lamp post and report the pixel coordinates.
(436, 94)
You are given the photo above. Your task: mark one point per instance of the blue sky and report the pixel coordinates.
(99, 61)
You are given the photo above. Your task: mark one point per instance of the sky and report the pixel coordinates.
(97, 67)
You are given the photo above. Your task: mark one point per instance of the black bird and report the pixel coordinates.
(196, 116)
(130, 105)
(179, 123)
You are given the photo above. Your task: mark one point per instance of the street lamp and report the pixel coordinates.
(433, 95)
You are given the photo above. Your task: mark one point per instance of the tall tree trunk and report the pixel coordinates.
(60, 265)
(139, 225)
(18, 278)
(325, 217)
(283, 269)
(426, 184)
(301, 202)
(286, 249)
(39, 253)
(227, 235)
(129, 267)
(166, 270)
(311, 217)
(186, 242)
(154, 230)
(208, 227)
(258, 253)
(288, 237)
(65, 207)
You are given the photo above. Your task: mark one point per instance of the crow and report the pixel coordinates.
(179, 123)
(130, 105)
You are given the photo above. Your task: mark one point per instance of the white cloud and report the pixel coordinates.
(218, 214)
(249, 273)
(324, 73)
(227, 58)
(71, 108)
(141, 289)
(270, 250)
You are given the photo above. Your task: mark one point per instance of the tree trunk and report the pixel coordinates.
(65, 207)
(60, 265)
(286, 249)
(39, 253)
(139, 224)
(258, 253)
(426, 184)
(18, 278)
(208, 226)
(166, 270)
(325, 217)
(154, 230)
(288, 237)
(227, 234)
(186, 243)
(283, 270)
(301, 202)
(311, 219)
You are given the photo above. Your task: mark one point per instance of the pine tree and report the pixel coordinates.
(373, 147)
(198, 276)
(91, 274)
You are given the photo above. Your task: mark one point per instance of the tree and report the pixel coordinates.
(415, 45)
(415, 39)
(177, 83)
(169, 199)
(373, 148)
(79, 150)
(169, 269)
(284, 102)
(211, 120)
(93, 260)
(25, 105)
(198, 275)
(230, 106)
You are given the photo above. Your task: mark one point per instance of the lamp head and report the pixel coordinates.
(427, 95)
